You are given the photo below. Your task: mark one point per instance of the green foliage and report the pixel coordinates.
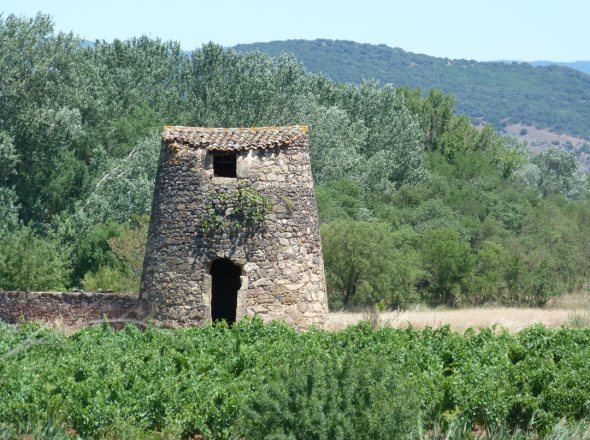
(488, 277)
(244, 210)
(30, 262)
(64, 107)
(8, 158)
(366, 263)
(496, 92)
(250, 208)
(340, 200)
(8, 211)
(129, 245)
(484, 224)
(118, 253)
(107, 278)
(94, 251)
(268, 381)
(467, 216)
(332, 395)
(559, 173)
(448, 261)
(336, 142)
(123, 188)
(436, 112)
(212, 221)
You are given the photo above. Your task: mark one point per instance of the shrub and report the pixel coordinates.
(108, 278)
(29, 262)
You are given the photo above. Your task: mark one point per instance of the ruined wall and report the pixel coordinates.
(281, 263)
(70, 309)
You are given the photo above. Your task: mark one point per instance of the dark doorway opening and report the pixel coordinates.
(225, 165)
(225, 283)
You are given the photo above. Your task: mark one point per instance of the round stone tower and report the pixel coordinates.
(234, 229)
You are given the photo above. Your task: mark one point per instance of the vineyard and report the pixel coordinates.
(258, 380)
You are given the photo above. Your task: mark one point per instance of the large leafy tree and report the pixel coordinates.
(366, 263)
(39, 114)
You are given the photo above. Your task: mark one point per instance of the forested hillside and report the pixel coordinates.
(553, 97)
(582, 66)
(417, 205)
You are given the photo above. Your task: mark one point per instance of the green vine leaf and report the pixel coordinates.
(243, 210)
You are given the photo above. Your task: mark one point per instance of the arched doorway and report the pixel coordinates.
(225, 283)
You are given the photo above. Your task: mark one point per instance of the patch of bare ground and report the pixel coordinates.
(539, 139)
(568, 310)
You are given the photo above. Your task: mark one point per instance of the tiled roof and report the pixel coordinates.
(234, 139)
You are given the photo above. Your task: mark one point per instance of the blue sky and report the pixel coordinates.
(526, 30)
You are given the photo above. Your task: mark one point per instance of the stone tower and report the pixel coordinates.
(234, 229)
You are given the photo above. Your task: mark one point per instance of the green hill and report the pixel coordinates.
(582, 66)
(552, 97)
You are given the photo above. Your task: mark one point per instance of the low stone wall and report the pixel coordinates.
(68, 309)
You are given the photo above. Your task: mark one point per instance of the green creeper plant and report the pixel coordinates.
(243, 210)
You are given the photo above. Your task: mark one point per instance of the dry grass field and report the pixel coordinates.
(569, 310)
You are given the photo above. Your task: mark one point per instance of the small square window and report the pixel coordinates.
(224, 165)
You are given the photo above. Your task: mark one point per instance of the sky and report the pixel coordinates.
(483, 30)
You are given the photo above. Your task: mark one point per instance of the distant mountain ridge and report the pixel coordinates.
(553, 97)
(582, 66)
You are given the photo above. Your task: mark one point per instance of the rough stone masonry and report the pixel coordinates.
(194, 273)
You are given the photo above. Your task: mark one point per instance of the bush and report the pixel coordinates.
(28, 262)
(108, 278)
(322, 394)
(112, 256)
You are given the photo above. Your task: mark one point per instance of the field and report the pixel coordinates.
(567, 310)
(268, 381)
(512, 319)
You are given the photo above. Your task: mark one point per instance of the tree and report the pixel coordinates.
(448, 261)
(38, 113)
(123, 273)
(393, 146)
(487, 280)
(125, 187)
(335, 142)
(436, 112)
(8, 206)
(559, 173)
(340, 200)
(366, 263)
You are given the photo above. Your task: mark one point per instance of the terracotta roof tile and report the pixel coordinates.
(234, 139)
